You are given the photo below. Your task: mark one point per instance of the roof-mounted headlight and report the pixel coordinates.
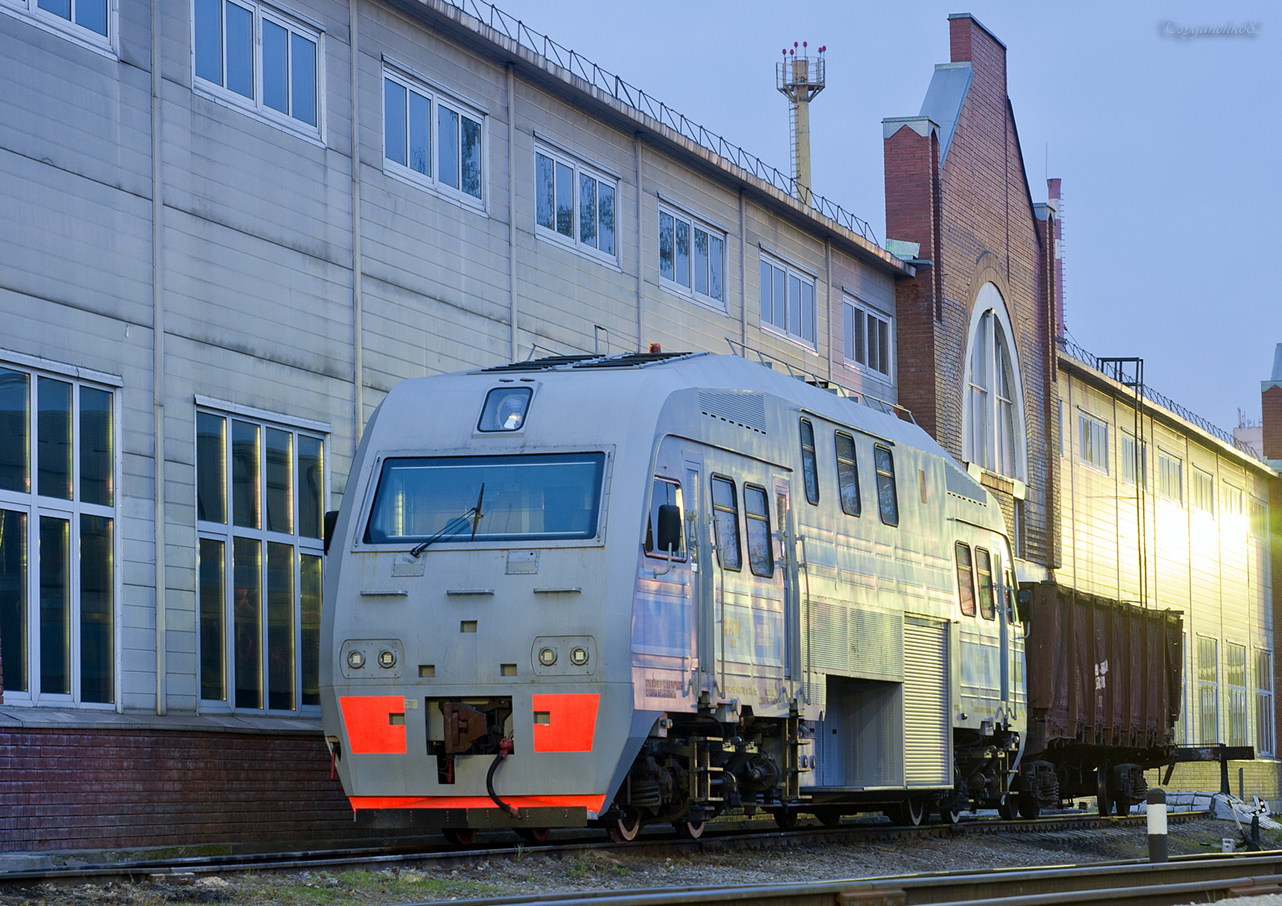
(505, 409)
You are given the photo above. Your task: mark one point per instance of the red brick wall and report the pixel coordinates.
(987, 231)
(95, 789)
(1271, 401)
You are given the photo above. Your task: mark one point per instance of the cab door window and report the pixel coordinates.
(965, 579)
(761, 558)
(725, 522)
(984, 579)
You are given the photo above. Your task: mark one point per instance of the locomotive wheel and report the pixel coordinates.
(624, 829)
(910, 814)
(534, 835)
(1008, 808)
(786, 818)
(689, 830)
(948, 814)
(459, 836)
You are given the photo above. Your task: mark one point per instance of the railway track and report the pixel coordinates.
(722, 836)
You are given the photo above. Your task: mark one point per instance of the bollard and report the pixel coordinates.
(1157, 848)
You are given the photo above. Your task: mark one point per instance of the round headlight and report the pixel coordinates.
(579, 656)
(387, 658)
(356, 659)
(547, 656)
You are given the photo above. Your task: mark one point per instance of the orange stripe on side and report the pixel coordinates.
(591, 803)
(368, 719)
(571, 722)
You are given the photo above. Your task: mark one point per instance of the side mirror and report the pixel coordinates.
(331, 520)
(1023, 601)
(669, 527)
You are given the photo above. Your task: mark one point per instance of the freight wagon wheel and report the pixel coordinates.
(1029, 808)
(1103, 798)
(459, 836)
(1008, 808)
(625, 827)
(948, 814)
(829, 817)
(535, 835)
(786, 818)
(1122, 806)
(689, 830)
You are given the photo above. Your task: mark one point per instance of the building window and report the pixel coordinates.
(1059, 408)
(1182, 723)
(787, 301)
(1235, 686)
(1170, 477)
(574, 203)
(58, 502)
(761, 558)
(1232, 501)
(887, 496)
(809, 462)
(93, 22)
(1134, 461)
(692, 257)
(1208, 691)
(1202, 493)
(1259, 518)
(260, 492)
(725, 523)
(431, 139)
(847, 474)
(994, 413)
(1093, 439)
(1263, 702)
(867, 339)
(257, 58)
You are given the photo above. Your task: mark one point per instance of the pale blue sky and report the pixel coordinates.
(1168, 147)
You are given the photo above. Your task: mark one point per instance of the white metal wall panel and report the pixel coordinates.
(926, 705)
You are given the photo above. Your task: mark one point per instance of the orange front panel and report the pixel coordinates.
(570, 723)
(591, 803)
(370, 730)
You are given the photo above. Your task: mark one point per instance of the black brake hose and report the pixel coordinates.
(504, 748)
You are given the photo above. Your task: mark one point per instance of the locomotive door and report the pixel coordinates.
(790, 563)
(703, 569)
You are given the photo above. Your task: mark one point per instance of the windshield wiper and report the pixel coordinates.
(455, 525)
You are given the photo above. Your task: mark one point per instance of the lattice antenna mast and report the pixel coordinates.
(800, 78)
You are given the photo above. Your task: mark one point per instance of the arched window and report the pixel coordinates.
(993, 406)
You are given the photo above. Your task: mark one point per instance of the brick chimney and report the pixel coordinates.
(1271, 402)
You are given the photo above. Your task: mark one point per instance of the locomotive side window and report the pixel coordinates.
(809, 467)
(984, 577)
(965, 579)
(448, 499)
(847, 474)
(761, 558)
(887, 499)
(725, 522)
(666, 493)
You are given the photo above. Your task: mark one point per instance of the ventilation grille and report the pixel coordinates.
(926, 705)
(747, 410)
(857, 641)
(961, 484)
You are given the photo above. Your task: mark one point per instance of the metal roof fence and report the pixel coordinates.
(613, 85)
(1159, 399)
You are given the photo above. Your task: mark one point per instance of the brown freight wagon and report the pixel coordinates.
(1104, 684)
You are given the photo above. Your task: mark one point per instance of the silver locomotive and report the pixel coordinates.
(657, 588)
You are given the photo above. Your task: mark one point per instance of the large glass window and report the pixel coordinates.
(411, 131)
(260, 499)
(58, 464)
(866, 337)
(574, 203)
(92, 22)
(993, 408)
(787, 301)
(486, 498)
(252, 55)
(692, 256)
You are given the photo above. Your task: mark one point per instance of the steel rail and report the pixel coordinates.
(727, 836)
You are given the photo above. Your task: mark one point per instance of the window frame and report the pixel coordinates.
(256, 105)
(1165, 461)
(34, 506)
(809, 461)
(1265, 741)
(994, 428)
(988, 612)
(436, 99)
(578, 170)
(969, 570)
(855, 310)
(1202, 492)
(853, 460)
(1208, 690)
(1088, 450)
(1235, 693)
(886, 479)
(790, 273)
(263, 537)
(30, 11)
(1259, 516)
(695, 225)
(766, 571)
(1127, 459)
